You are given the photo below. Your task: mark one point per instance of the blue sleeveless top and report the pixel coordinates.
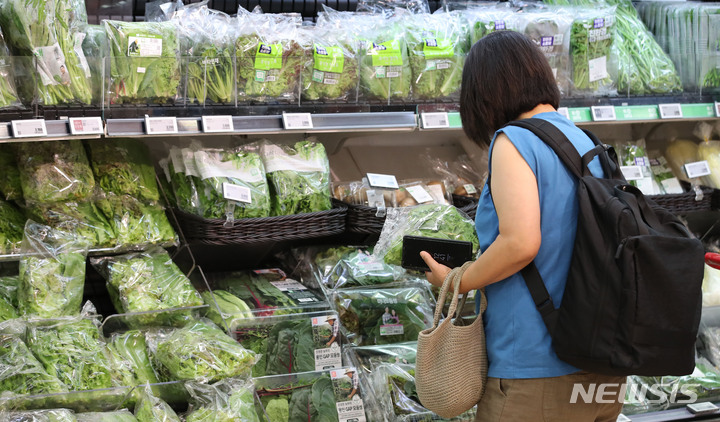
(518, 344)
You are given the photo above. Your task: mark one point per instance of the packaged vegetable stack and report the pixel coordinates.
(331, 67)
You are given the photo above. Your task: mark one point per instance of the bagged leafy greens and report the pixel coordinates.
(95, 48)
(144, 65)
(381, 316)
(299, 177)
(10, 186)
(82, 218)
(591, 39)
(331, 69)
(118, 416)
(292, 343)
(200, 351)
(123, 167)
(704, 382)
(53, 415)
(635, 165)
(369, 358)
(46, 39)
(233, 184)
(269, 55)
(54, 171)
(550, 31)
(229, 400)
(73, 351)
(437, 55)
(437, 221)
(52, 272)
(385, 72)
(153, 409)
(484, 20)
(12, 222)
(135, 222)
(22, 373)
(184, 181)
(129, 359)
(148, 281)
(8, 93)
(229, 311)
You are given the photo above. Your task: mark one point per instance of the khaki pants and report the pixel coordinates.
(549, 399)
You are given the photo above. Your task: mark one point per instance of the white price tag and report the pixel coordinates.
(435, 120)
(237, 193)
(297, 121)
(632, 172)
(160, 125)
(670, 111)
(717, 109)
(216, 124)
(563, 111)
(382, 181)
(86, 126)
(419, 194)
(697, 169)
(29, 128)
(470, 188)
(603, 113)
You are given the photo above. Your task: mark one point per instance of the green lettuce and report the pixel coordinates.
(331, 67)
(226, 401)
(184, 185)
(130, 361)
(94, 46)
(51, 287)
(123, 167)
(82, 218)
(53, 415)
(9, 288)
(385, 76)
(10, 186)
(8, 92)
(21, 372)
(152, 409)
(119, 416)
(135, 222)
(256, 83)
(232, 309)
(12, 222)
(310, 399)
(7, 310)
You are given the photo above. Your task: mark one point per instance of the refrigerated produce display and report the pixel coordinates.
(202, 204)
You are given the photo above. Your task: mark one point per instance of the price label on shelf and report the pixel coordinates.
(632, 172)
(382, 181)
(217, 124)
(563, 111)
(29, 128)
(294, 121)
(86, 126)
(160, 125)
(437, 120)
(697, 169)
(670, 111)
(603, 113)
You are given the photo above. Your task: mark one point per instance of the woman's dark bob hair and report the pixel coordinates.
(505, 75)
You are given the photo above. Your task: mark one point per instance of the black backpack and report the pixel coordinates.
(633, 297)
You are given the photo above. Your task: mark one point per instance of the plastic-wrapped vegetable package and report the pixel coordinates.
(635, 166)
(437, 221)
(52, 272)
(229, 400)
(148, 281)
(331, 69)
(144, 66)
(389, 8)
(233, 184)
(22, 373)
(51, 415)
(129, 359)
(12, 222)
(708, 54)
(8, 92)
(8, 297)
(385, 72)
(270, 55)
(82, 218)
(199, 351)
(269, 291)
(10, 187)
(184, 181)
(437, 55)
(368, 358)
(54, 171)
(483, 21)
(95, 48)
(709, 150)
(393, 314)
(123, 167)
(642, 395)
(550, 31)
(292, 343)
(153, 409)
(703, 383)
(711, 286)
(117, 416)
(136, 223)
(680, 152)
(7, 310)
(299, 177)
(225, 309)
(663, 174)
(332, 396)
(73, 351)
(45, 37)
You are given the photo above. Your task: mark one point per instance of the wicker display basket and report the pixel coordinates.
(682, 203)
(266, 229)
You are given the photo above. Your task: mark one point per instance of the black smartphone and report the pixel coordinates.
(452, 253)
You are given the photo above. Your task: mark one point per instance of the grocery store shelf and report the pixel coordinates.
(680, 414)
(56, 130)
(93, 252)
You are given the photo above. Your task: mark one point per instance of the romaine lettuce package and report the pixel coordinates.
(225, 309)
(153, 409)
(437, 55)
(229, 400)
(269, 291)
(331, 69)
(117, 416)
(299, 177)
(12, 223)
(200, 351)
(129, 359)
(21, 372)
(381, 316)
(52, 272)
(80, 217)
(123, 167)
(50, 415)
(550, 31)
(96, 51)
(148, 281)
(144, 66)
(385, 72)
(136, 222)
(270, 56)
(54, 171)
(184, 179)
(233, 184)
(72, 350)
(437, 221)
(292, 343)
(10, 187)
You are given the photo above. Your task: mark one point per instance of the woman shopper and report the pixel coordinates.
(527, 211)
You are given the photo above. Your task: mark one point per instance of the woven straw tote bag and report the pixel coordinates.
(451, 362)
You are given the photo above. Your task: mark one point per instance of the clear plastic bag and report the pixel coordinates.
(117, 416)
(662, 173)
(51, 415)
(54, 171)
(331, 69)
(709, 150)
(299, 177)
(95, 48)
(129, 359)
(393, 314)
(385, 72)
(153, 409)
(148, 281)
(22, 373)
(390, 8)
(9, 97)
(82, 218)
(635, 165)
(232, 399)
(12, 223)
(591, 38)
(680, 152)
(136, 223)
(184, 181)
(10, 187)
(123, 167)
(52, 272)
(484, 20)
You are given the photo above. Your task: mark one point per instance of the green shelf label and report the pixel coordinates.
(640, 112)
(580, 114)
(694, 111)
(454, 120)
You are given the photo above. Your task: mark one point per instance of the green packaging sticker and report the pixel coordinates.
(268, 56)
(144, 45)
(386, 54)
(438, 48)
(328, 59)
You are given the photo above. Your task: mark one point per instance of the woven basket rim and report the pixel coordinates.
(337, 209)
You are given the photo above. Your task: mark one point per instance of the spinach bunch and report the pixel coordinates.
(7, 310)
(22, 373)
(8, 92)
(123, 167)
